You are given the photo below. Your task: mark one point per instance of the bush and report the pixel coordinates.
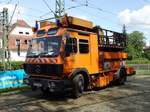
(129, 58)
(15, 65)
(139, 61)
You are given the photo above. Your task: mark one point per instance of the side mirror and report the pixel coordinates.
(67, 45)
(67, 50)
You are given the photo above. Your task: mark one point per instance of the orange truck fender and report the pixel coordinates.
(130, 71)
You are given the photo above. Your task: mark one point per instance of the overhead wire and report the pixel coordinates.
(18, 13)
(13, 14)
(35, 10)
(146, 0)
(29, 15)
(72, 7)
(44, 15)
(102, 10)
(91, 5)
(49, 8)
(105, 19)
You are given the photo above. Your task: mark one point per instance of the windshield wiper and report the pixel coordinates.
(44, 53)
(50, 53)
(32, 54)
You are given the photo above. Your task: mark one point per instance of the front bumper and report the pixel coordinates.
(52, 85)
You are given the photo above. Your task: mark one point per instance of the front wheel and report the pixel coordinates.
(78, 85)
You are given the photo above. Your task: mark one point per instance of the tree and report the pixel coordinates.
(147, 54)
(136, 42)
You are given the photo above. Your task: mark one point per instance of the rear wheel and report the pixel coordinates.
(78, 86)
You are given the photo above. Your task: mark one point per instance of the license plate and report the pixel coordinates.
(37, 84)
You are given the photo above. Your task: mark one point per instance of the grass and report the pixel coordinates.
(142, 72)
(14, 90)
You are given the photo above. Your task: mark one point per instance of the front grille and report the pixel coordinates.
(45, 69)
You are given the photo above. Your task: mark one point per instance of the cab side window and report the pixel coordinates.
(83, 46)
(72, 45)
(41, 33)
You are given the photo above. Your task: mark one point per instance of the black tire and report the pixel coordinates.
(122, 77)
(78, 86)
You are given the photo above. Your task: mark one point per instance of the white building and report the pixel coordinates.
(22, 32)
(21, 28)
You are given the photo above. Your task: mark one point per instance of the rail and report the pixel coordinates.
(110, 40)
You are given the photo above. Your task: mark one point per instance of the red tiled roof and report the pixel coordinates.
(20, 23)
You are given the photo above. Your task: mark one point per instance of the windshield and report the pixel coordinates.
(44, 47)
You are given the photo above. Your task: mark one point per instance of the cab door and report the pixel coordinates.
(78, 47)
(84, 52)
(71, 61)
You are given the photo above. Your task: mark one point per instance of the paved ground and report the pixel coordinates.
(134, 96)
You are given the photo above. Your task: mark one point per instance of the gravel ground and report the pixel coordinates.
(134, 96)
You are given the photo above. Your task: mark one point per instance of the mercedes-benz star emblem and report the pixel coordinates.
(38, 69)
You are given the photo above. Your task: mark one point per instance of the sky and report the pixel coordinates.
(109, 14)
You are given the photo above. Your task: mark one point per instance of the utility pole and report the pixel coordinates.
(60, 8)
(124, 31)
(5, 49)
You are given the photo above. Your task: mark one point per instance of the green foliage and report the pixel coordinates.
(135, 44)
(0, 54)
(16, 65)
(147, 54)
(139, 61)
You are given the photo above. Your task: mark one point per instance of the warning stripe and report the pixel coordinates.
(41, 60)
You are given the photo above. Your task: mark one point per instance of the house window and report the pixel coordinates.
(27, 33)
(26, 41)
(83, 46)
(52, 31)
(18, 42)
(20, 32)
(41, 33)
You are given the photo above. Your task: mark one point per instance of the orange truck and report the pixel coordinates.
(71, 55)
